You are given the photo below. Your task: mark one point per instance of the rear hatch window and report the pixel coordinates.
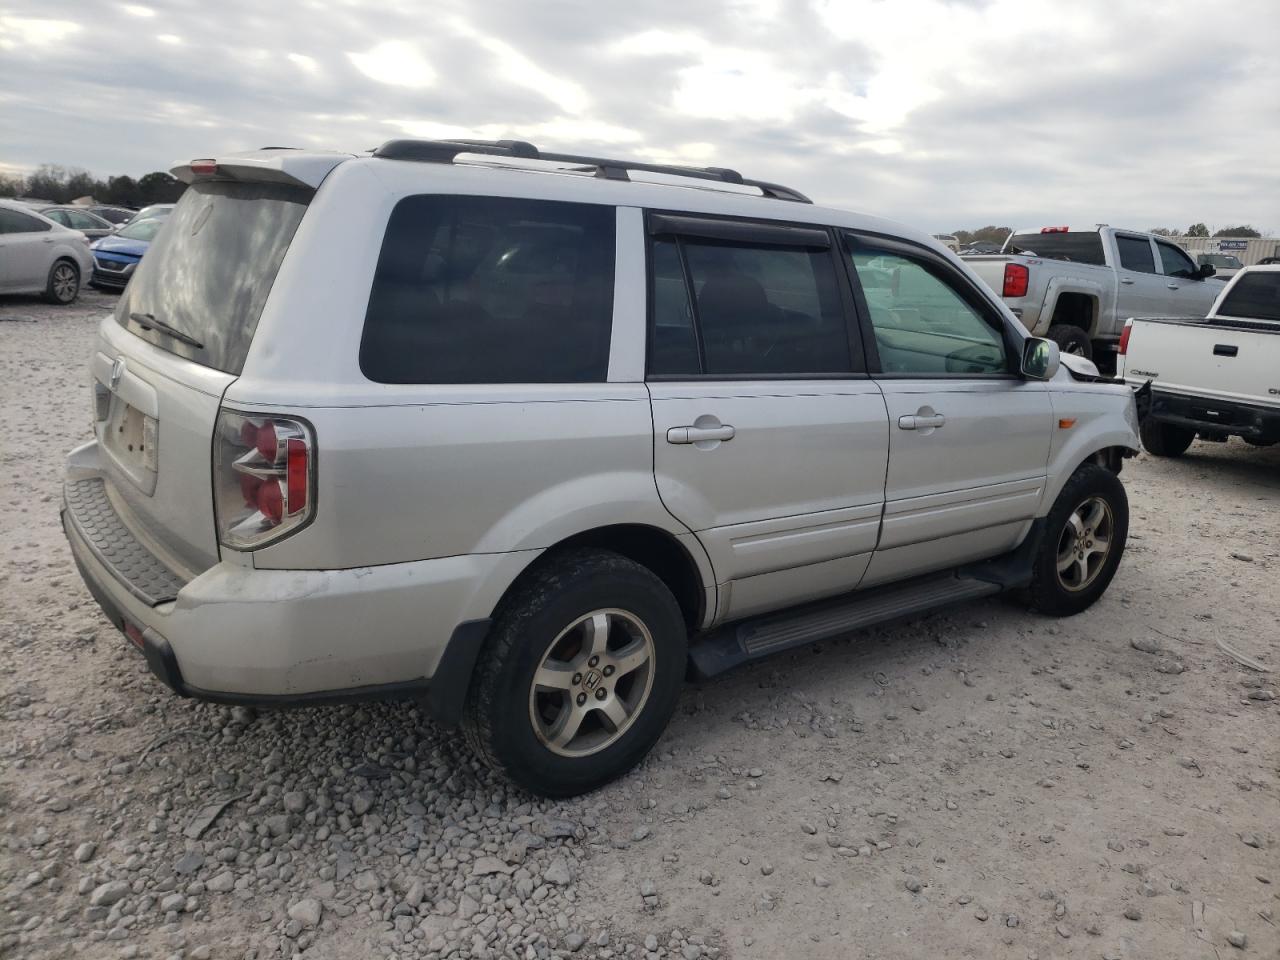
(1074, 247)
(204, 279)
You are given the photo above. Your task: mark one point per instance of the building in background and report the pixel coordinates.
(1249, 250)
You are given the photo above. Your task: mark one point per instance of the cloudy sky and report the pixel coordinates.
(942, 114)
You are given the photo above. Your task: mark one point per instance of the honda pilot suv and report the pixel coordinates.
(531, 436)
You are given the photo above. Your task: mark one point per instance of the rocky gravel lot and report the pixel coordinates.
(980, 783)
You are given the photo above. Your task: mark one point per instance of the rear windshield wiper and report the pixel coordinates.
(147, 321)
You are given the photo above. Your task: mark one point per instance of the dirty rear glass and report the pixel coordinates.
(1075, 247)
(209, 269)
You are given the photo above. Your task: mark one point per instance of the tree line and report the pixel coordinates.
(995, 234)
(59, 184)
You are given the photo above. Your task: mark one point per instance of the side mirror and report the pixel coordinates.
(1040, 359)
(1206, 271)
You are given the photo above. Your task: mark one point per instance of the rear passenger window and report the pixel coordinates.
(1135, 254)
(734, 309)
(491, 290)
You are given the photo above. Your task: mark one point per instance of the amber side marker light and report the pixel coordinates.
(1066, 423)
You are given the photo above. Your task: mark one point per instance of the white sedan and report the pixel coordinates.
(40, 256)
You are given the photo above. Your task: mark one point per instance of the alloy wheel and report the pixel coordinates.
(593, 681)
(65, 282)
(1085, 544)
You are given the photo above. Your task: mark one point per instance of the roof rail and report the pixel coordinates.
(444, 151)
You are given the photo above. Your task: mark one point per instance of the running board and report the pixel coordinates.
(753, 639)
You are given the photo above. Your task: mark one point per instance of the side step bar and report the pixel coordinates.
(738, 643)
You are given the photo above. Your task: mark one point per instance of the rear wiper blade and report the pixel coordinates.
(147, 321)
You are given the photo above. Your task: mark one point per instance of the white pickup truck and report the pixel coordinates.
(1215, 377)
(1078, 286)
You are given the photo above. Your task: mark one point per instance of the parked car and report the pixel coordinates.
(555, 437)
(1078, 286)
(115, 215)
(38, 255)
(116, 256)
(1214, 378)
(948, 241)
(154, 211)
(1225, 265)
(78, 218)
(979, 247)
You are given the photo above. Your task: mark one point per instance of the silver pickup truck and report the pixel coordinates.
(1078, 286)
(1215, 377)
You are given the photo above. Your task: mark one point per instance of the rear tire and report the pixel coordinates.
(1165, 439)
(63, 285)
(1071, 339)
(1072, 567)
(579, 676)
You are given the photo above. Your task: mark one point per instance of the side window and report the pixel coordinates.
(924, 325)
(1135, 254)
(13, 221)
(59, 216)
(491, 290)
(1175, 261)
(81, 221)
(756, 310)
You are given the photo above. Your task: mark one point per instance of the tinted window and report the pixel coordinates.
(11, 221)
(924, 324)
(58, 216)
(113, 215)
(491, 290)
(1255, 295)
(82, 221)
(1135, 254)
(756, 310)
(1083, 247)
(209, 271)
(1175, 261)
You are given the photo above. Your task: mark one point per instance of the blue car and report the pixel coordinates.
(116, 257)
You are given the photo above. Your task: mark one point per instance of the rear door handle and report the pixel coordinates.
(919, 422)
(1172, 286)
(1126, 281)
(697, 434)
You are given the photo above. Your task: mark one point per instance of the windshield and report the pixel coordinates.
(141, 229)
(208, 273)
(1220, 260)
(1255, 296)
(1077, 247)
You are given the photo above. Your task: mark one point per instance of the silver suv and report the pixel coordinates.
(529, 435)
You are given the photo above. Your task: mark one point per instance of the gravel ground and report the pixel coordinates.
(980, 783)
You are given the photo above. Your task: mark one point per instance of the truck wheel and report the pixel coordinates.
(579, 676)
(1084, 539)
(1071, 340)
(1165, 439)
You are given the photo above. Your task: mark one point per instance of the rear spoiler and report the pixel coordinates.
(271, 165)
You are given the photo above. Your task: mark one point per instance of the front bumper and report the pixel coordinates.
(236, 634)
(111, 273)
(1216, 416)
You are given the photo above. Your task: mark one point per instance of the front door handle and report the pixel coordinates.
(696, 434)
(1126, 281)
(921, 422)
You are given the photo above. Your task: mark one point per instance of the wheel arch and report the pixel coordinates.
(1108, 452)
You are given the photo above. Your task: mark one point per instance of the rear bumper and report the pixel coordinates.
(235, 634)
(1213, 415)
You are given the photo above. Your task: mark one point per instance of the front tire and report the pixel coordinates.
(63, 285)
(1165, 439)
(1085, 536)
(579, 676)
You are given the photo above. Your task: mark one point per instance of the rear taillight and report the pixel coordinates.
(1124, 337)
(264, 478)
(1017, 279)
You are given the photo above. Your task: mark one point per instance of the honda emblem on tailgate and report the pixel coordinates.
(117, 371)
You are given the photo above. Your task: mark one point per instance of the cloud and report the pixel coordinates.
(942, 113)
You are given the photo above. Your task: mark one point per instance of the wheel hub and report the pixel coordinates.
(1085, 544)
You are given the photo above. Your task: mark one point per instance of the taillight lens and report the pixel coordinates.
(1017, 279)
(1124, 337)
(264, 478)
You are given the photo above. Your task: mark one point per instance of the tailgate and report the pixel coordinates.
(179, 338)
(1205, 359)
